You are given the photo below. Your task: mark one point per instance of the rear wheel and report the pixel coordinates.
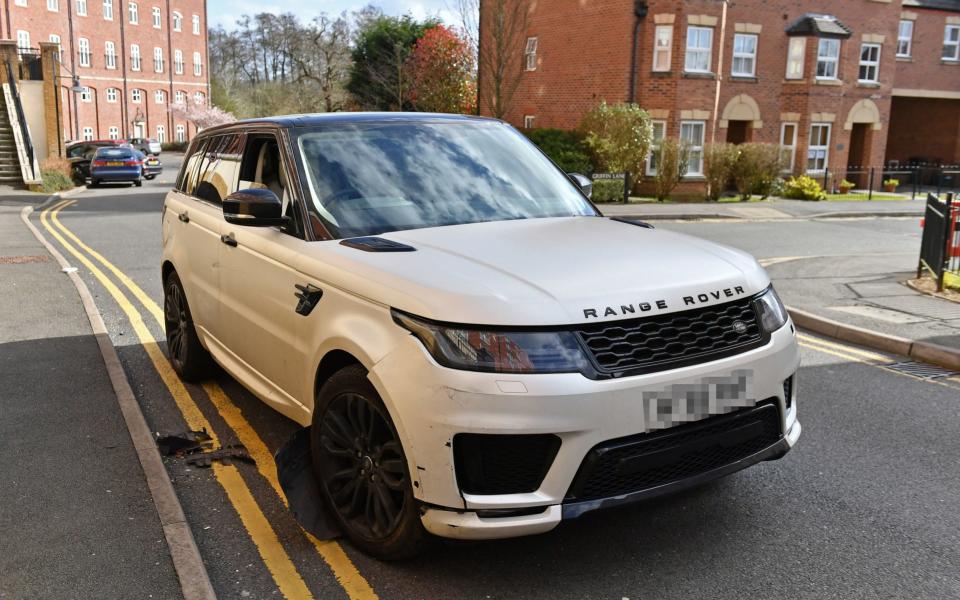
(138, 182)
(189, 358)
(149, 177)
(362, 470)
(94, 183)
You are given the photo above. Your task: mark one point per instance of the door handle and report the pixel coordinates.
(309, 295)
(228, 239)
(184, 217)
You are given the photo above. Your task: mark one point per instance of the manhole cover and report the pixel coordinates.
(21, 260)
(922, 370)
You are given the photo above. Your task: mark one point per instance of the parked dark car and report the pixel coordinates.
(81, 153)
(146, 145)
(151, 166)
(118, 163)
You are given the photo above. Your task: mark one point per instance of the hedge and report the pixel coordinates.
(563, 147)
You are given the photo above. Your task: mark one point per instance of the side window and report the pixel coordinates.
(188, 176)
(217, 173)
(263, 167)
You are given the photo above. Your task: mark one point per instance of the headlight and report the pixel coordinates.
(773, 315)
(497, 351)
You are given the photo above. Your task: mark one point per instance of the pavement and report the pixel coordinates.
(76, 516)
(863, 507)
(766, 209)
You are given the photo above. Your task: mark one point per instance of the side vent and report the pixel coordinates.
(376, 244)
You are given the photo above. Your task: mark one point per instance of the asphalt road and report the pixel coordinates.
(864, 507)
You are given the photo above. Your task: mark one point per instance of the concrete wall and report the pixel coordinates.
(31, 94)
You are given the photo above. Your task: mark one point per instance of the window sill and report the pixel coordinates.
(905, 59)
(794, 81)
(661, 73)
(827, 82)
(744, 78)
(698, 75)
(693, 178)
(868, 84)
(950, 61)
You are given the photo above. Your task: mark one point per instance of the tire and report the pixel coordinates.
(149, 177)
(94, 183)
(138, 182)
(360, 466)
(189, 358)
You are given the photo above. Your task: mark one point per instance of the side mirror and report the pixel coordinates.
(583, 182)
(254, 207)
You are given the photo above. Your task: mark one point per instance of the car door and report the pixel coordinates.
(209, 175)
(258, 283)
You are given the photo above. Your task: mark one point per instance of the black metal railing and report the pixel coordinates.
(891, 181)
(24, 130)
(937, 245)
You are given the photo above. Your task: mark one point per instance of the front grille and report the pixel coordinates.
(648, 460)
(502, 464)
(668, 341)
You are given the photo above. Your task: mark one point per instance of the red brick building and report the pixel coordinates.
(133, 58)
(836, 83)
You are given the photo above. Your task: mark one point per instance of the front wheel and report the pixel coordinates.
(138, 182)
(189, 358)
(362, 470)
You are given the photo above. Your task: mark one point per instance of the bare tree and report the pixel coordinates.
(322, 56)
(501, 36)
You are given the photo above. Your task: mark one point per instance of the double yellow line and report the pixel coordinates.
(264, 537)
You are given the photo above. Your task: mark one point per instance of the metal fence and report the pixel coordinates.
(940, 245)
(907, 182)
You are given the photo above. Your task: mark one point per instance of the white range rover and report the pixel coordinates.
(478, 352)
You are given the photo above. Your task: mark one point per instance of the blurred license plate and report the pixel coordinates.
(114, 163)
(153, 162)
(687, 402)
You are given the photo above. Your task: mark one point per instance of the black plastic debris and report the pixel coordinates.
(224, 454)
(183, 443)
(295, 471)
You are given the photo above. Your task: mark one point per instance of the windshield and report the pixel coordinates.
(372, 178)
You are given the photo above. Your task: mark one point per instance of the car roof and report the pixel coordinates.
(310, 120)
(115, 148)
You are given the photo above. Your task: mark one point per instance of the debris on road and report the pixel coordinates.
(183, 443)
(224, 454)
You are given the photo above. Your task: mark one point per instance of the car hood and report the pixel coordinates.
(550, 271)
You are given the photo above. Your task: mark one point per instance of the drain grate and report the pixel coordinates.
(22, 260)
(922, 370)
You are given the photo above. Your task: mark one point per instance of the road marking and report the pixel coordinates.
(274, 555)
(867, 354)
(346, 573)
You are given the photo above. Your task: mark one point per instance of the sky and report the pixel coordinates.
(226, 12)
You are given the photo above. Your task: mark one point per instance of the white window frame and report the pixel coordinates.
(530, 54)
(55, 39)
(796, 57)
(693, 56)
(177, 21)
(19, 2)
(180, 133)
(86, 95)
(136, 96)
(87, 134)
(662, 48)
(159, 97)
(83, 48)
(788, 147)
(161, 134)
(655, 139)
(107, 10)
(113, 132)
(157, 59)
(744, 55)
(813, 150)
(951, 41)
(112, 94)
(110, 54)
(869, 64)
(180, 97)
(23, 39)
(195, 24)
(198, 98)
(829, 61)
(178, 62)
(156, 17)
(133, 10)
(197, 64)
(694, 147)
(53, 5)
(528, 121)
(136, 60)
(81, 8)
(905, 39)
